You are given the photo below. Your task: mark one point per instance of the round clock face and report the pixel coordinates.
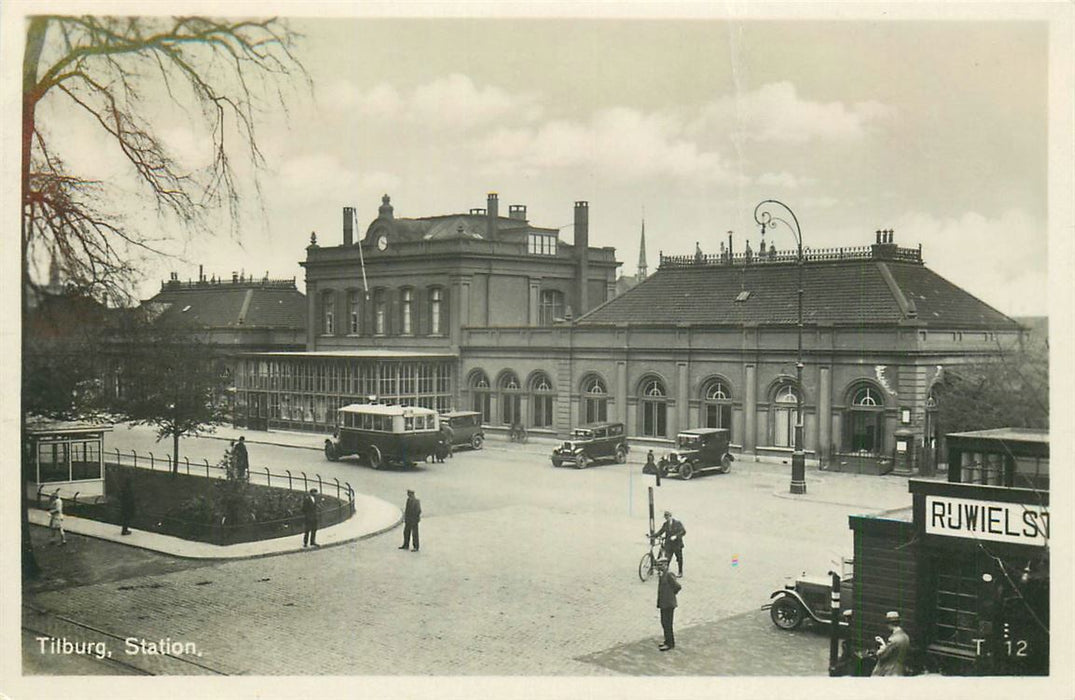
(382, 242)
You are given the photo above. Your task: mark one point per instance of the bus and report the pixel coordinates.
(384, 435)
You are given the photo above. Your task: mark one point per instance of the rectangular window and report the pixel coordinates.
(542, 411)
(352, 313)
(956, 610)
(541, 244)
(784, 427)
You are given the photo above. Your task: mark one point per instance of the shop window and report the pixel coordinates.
(864, 421)
(552, 306)
(595, 400)
(653, 403)
(717, 406)
(542, 397)
(785, 408)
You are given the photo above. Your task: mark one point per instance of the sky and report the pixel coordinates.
(935, 129)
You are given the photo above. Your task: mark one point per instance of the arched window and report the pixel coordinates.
(379, 312)
(328, 312)
(594, 400)
(436, 299)
(653, 402)
(717, 405)
(510, 398)
(354, 326)
(785, 404)
(552, 306)
(481, 392)
(542, 396)
(864, 420)
(406, 300)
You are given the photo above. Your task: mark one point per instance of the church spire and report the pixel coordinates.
(642, 269)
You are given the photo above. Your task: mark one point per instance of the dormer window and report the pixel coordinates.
(542, 244)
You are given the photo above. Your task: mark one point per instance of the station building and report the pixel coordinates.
(483, 312)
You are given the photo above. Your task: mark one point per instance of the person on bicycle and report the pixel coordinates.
(673, 531)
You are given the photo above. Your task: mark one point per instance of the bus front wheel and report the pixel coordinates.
(374, 455)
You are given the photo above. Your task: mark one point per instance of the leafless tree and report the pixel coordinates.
(114, 70)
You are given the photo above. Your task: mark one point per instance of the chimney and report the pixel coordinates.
(884, 248)
(234, 277)
(517, 212)
(201, 273)
(582, 250)
(491, 216)
(348, 226)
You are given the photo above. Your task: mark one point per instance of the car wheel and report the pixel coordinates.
(375, 458)
(686, 471)
(726, 464)
(621, 455)
(557, 463)
(786, 613)
(582, 461)
(331, 453)
(476, 441)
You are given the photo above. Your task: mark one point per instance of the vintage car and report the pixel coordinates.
(809, 596)
(464, 427)
(591, 443)
(698, 450)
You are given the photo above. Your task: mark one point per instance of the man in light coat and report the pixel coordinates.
(892, 654)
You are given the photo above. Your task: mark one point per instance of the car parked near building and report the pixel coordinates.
(464, 427)
(592, 443)
(699, 450)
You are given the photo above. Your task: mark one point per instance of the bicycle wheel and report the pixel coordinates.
(646, 566)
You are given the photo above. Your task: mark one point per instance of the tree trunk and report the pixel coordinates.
(35, 40)
(175, 453)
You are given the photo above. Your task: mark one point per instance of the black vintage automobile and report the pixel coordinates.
(698, 450)
(464, 427)
(808, 597)
(591, 443)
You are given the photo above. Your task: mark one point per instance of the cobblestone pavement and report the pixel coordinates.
(524, 570)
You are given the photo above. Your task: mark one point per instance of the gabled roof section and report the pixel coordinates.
(232, 305)
(842, 292)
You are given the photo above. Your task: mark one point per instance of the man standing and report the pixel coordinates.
(126, 506)
(412, 513)
(309, 519)
(892, 654)
(242, 460)
(667, 588)
(673, 532)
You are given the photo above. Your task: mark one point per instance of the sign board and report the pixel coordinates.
(1017, 523)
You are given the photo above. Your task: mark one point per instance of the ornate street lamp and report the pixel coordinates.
(763, 215)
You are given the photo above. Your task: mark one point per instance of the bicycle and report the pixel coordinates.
(518, 434)
(648, 564)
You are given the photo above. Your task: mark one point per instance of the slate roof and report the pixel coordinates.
(847, 292)
(233, 305)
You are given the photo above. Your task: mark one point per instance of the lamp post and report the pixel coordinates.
(763, 215)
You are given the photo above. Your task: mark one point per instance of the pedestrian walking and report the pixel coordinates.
(673, 532)
(412, 513)
(667, 588)
(892, 653)
(309, 519)
(126, 506)
(441, 451)
(56, 519)
(242, 459)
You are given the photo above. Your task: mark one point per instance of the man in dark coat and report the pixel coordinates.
(412, 513)
(126, 506)
(667, 588)
(242, 460)
(673, 532)
(309, 519)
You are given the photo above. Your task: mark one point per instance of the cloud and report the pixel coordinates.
(776, 113)
(1002, 261)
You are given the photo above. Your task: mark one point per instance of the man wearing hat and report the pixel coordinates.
(412, 513)
(673, 532)
(309, 519)
(667, 588)
(892, 654)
